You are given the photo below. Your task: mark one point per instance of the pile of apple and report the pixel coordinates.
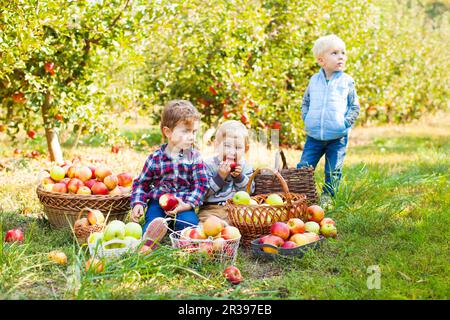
(213, 234)
(242, 197)
(78, 178)
(296, 233)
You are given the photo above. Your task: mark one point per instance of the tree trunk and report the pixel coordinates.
(54, 148)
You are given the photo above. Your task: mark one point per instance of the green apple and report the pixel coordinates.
(274, 200)
(95, 238)
(241, 197)
(57, 173)
(115, 245)
(134, 230)
(114, 230)
(312, 226)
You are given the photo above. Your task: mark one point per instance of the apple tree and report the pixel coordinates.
(51, 53)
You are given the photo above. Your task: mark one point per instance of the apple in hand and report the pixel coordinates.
(168, 202)
(296, 225)
(14, 235)
(233, 165)
(241, 197)
(315, 213)
(280, 229)
(114, 230)
(233, 274)
(312, 226)
(133, 229)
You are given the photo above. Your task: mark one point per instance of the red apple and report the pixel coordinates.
(289, 245)
(261, 240)
(65, 181)
(83, 173)
(93, 171)
(74, 184)
(327, 221)
(245, 119)
(213, 226)
(90, 183)
(18, 97)
(233, 274)
(35, 153)
(274, 241)
(125, 179)
(99, 188)
(95, 264)
(84, 190)
(111, 181)
(315, 213)
(230, 232)
(168, 202)
(59, 187)
(50, 68)
(280, 229)
(17, 151)
(115, 149)
(102, 172)
(296, 225)
(31, 134)
(58, 117)
(276, 125)
(233, 165)
(14, 235)
(197, 233)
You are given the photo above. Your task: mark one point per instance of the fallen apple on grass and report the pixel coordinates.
(94, 264)
(58, 257)
(14, 235)
(233, 274)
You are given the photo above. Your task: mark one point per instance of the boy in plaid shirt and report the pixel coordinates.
(176, 167)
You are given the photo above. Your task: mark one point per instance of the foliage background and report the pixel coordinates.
(248, 60)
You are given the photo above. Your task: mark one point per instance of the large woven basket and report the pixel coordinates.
(298, 181)
(62, 209)
(254, 221)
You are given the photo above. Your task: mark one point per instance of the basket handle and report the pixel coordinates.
(283, 183)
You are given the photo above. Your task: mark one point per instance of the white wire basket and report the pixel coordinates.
(107, 249)
(217, 250)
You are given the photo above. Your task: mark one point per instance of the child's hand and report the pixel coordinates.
(236, 171)
(224, 170)
(137, 212)
(182, 206)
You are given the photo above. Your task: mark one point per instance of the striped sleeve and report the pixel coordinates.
(142, 184)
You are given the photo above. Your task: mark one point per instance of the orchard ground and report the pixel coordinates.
(392, 218)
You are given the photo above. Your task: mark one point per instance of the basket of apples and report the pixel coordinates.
(254, 215)
(213, 240)
(295, 237)
(66, 189)
(116, 239)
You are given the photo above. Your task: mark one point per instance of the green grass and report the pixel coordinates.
(392, 212)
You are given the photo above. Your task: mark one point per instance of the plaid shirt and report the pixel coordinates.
(184, 176)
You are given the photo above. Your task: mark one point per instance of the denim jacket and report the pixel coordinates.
(330, 109)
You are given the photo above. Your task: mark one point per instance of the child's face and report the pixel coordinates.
(183, 135)
(333, 59)
(231, 147)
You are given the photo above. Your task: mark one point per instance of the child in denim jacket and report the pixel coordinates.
(330, 108)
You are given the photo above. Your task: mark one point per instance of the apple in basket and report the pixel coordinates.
(101, 172)
(281, 230)
(241, 197)
(197, 233)
(327, 221)
(57, 173)
(296, 225)
(213, 226)
(114, 230)
(84, 190)
(274, 241)
(99, 188)
(312, 226)
(168, 202)
(300, 239)
(218, 244)
(95, 217)
(328, 230)
(125, 179)
(111, 182)
(230, 233)
(133, 229)
(233, 274)
(74, 184)
(315, 213)
(274, 200)
(289, 245)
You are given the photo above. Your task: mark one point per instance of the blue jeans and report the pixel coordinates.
(334, 151)
(155, 211)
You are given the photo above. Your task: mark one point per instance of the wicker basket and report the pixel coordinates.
(62, 209)
(254, 221)
(82, 233)
(298, 181)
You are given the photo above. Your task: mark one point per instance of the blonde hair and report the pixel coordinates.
(231, 127)
(178, 111)
(326, 42)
